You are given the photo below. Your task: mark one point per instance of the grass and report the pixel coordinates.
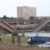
(23, 38)
(8, 38)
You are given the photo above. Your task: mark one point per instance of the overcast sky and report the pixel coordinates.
(9, 7)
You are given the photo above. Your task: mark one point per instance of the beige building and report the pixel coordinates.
(26, 12)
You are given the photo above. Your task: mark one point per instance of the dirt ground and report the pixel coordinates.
(6, 46)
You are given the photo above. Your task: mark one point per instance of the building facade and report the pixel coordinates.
(25, 12)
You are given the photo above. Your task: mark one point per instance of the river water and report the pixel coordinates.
(36, 34)
(33, 34)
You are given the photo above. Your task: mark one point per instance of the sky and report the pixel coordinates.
(9, 7)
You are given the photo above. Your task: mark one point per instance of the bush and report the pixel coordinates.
(14, 33)
(23, 34)
(31, 18)
(0, 39)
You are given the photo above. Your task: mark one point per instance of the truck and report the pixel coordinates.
(36, 40)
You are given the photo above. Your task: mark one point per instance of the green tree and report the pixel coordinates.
(15, 33)
(20, 18)
(31, 18)
(5, 17)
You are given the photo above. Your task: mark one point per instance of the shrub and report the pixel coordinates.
(14, 33)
